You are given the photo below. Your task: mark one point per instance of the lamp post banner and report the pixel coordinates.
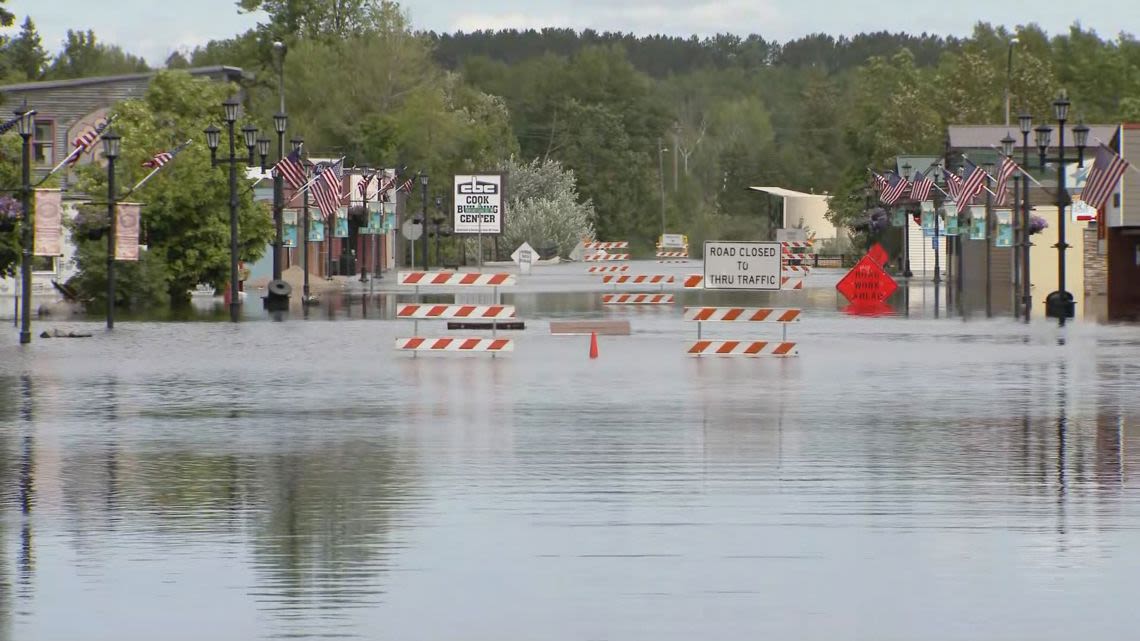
(1004, 236)
(127, 231)
(48, 223)
(340, 230)
(479, 203)
(898, 217)
(950, 211)
(977, 222)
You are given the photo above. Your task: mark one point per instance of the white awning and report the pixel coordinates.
(786, 193)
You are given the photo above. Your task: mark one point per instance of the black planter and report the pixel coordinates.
(94, 234)
(7, 224)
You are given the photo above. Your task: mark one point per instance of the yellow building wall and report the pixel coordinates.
(1043, 261)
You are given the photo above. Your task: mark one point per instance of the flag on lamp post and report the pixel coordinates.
(1105, 174)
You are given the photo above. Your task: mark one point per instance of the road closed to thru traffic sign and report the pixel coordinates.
(732, 264)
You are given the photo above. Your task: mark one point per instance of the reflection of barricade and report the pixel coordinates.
(719, 347)
(637, 299)
(696, 281)
(604, 257)
(639, 279)
(601, 269)
(417, 311)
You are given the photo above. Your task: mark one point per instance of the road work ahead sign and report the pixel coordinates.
(479, 204)
(742, 265)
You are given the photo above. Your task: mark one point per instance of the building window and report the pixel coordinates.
(43, 143)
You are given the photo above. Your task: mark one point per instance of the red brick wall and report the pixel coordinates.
(1123, 273)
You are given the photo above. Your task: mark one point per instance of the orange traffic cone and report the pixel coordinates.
(593, 344)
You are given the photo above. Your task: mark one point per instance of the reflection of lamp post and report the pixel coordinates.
(906, 168)
(25, 125)
(423, 217)
(1007, 151)
(111, 143)
(303, 241)
(213, 137)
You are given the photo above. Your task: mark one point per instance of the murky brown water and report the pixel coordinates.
(904, 478)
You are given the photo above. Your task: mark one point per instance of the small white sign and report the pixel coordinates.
(478, 204)
(674, 241)
(742, 265)
(525, 257)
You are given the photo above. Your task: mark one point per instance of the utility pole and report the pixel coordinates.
(676, 147)
(661, 172)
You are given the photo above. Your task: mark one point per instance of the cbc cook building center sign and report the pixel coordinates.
(479, 204)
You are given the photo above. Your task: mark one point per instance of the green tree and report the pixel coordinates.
(186, 205)
(327, 19)
(544, 208)
(10, 149)
(83, 56)
(26, 53)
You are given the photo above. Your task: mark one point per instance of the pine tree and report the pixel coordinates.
(26, 52)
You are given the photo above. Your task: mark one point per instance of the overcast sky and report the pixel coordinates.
(156, 28)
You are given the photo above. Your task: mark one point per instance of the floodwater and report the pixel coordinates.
(905, 477)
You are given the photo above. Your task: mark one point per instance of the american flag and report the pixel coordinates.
(879, 181)
(407, 186)
(291, 169)
(896, 186)
(953, 183)
(326, 187)
(1005, 170)
(6, 127)
(163, 157)
(384, 184)
(1106, 172)
(920, 190)
(973, 185)
(365, 181)
(86, 140)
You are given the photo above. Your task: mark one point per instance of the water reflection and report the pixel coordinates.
(300, 479)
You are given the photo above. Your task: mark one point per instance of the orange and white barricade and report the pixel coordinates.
(603, 269)
(462, 280)
(606, 245)
(416, 310)
(637, 299)
(743, 347)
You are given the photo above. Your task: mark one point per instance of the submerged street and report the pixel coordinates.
(905, 477)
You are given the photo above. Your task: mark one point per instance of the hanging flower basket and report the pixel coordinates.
(1037, 224)
(10, 212)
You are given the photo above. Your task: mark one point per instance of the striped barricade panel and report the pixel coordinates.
(601, 269)
(797, 270)
(742, 348)
(421, 344)
(637, 299)
(455, 311)
(672, 254)
(697, 281)
(639, 279)
(470, 279)
(742, 314)
(594, 258)
(614, 244)
(796, 247)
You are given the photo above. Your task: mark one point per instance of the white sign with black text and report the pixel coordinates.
(479, 204)
(734, 264)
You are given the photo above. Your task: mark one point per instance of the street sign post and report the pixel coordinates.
(742, 265)
(525, 257)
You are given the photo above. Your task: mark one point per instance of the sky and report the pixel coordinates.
(157, 28)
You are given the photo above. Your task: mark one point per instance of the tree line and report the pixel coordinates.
(700, 119)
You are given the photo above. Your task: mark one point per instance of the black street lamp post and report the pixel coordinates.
(1025, 124)
(213, 138)
(26, 126)
(1007, 144)
(303, 236)
(436, 222)
(111, 146)
(280, 122)
(423, 216)
(1059, 304)
(906, 169)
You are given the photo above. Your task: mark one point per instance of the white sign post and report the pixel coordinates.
(525, 257)
(731, 264)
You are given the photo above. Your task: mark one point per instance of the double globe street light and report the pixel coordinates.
(213, 138)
